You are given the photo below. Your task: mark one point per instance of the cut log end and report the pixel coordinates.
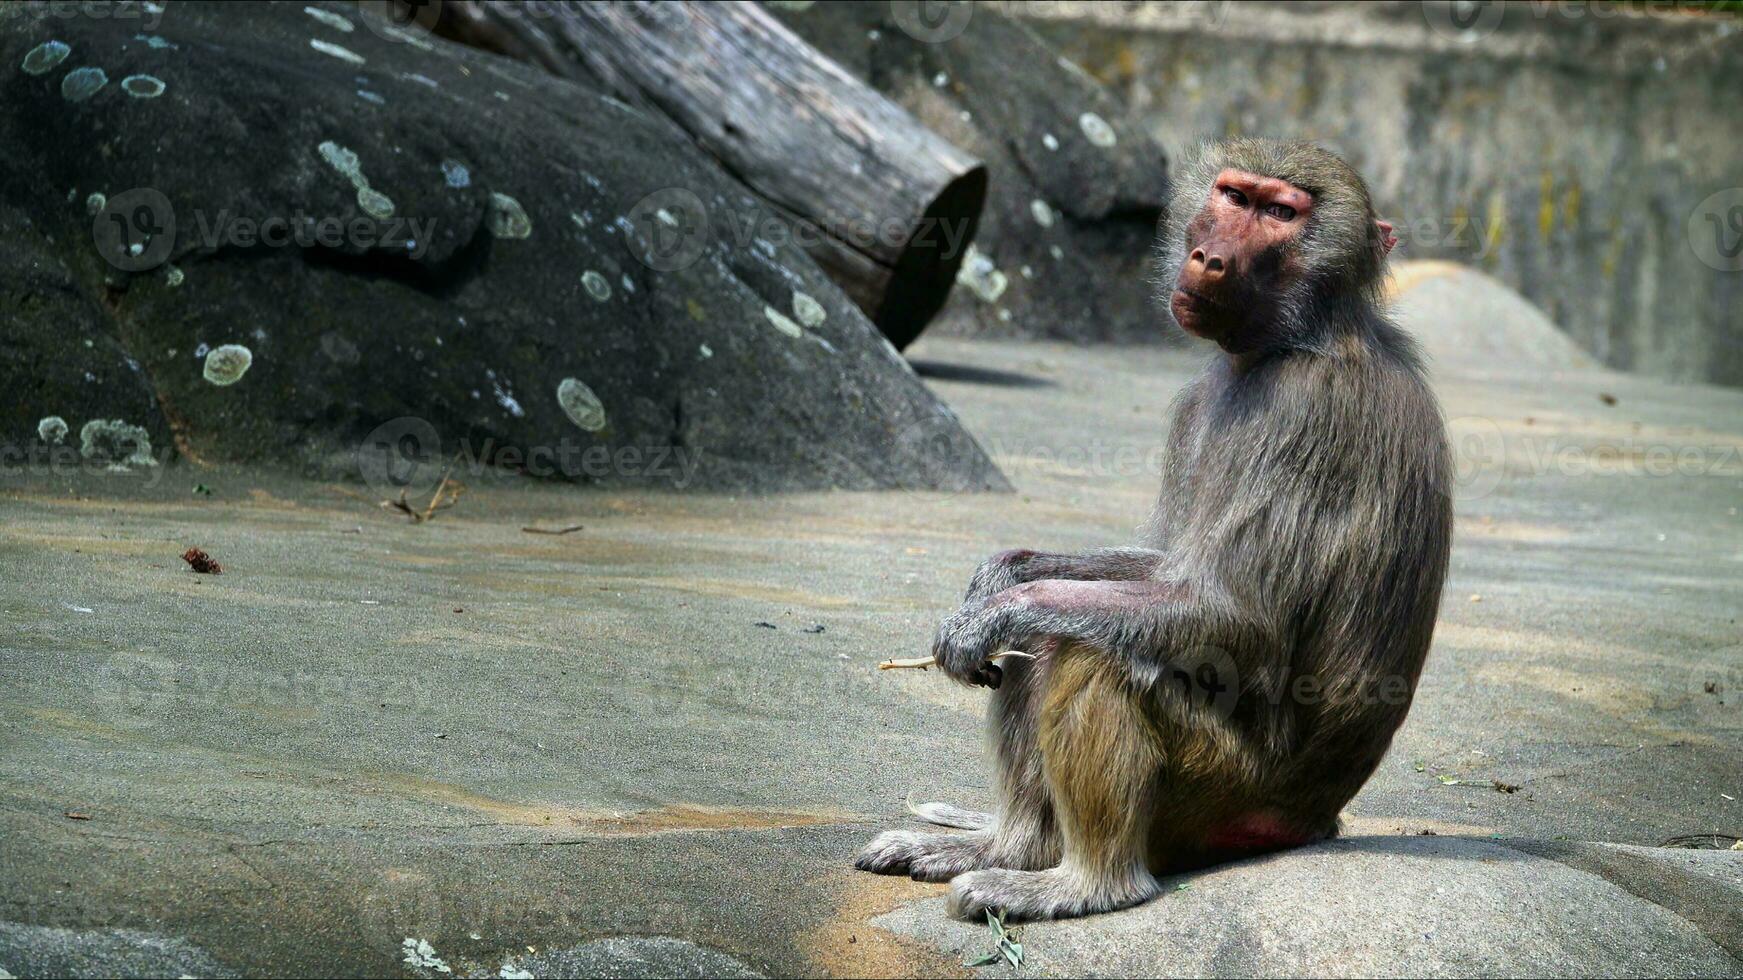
(925, 271)
(810, 140)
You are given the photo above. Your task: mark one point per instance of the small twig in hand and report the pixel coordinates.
(559, 530)
(921, 663)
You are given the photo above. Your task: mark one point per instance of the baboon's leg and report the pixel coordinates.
(1022, 833)
(1025, 832)
(1101, 761)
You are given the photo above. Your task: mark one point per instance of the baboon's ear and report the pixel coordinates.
(1387, 239)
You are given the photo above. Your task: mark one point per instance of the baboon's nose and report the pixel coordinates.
(1209, 264)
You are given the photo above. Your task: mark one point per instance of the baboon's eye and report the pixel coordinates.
(1235, 197)
(1282, 212)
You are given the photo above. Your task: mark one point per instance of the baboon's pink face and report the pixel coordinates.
(1240, 252)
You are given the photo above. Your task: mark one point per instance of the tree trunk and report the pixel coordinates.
(883, 204)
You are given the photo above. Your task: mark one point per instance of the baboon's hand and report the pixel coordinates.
(967, 638)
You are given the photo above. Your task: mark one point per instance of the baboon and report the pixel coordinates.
(1225, 688)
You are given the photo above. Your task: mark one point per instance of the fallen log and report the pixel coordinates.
(1063, 250)
(883, 204)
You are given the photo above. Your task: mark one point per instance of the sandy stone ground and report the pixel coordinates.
(651, 746)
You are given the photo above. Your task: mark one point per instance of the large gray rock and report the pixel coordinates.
(273, 229)
(40, 951)
(1374, 907)
(1064, 248)
(1471, 323)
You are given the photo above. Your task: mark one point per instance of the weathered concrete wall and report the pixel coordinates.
(1590, 156)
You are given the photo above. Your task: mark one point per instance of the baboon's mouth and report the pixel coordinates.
(1198, 299)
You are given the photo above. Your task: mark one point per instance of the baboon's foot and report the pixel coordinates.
(925, 856)
(1056, 893)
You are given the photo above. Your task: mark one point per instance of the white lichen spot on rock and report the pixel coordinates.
(341, 159)
(52, 430)
(507, 219)
(340, 350)
(810, 312)
(344, 160)
(706, 351)
(506, 399)
(44, 57)
(782, 323)
(1096, 130)
(227, 364)
(420, 955)
(95, 203)
(455, 174)
(82, 83)
(337, 51)
(1042, 211)
(374, 203)
(413, 38)
(981, 277)
(581, 405)
(329, 18)
(1050, 141)
(117, 443)
(143, 86)
(172, 275)
(596, 285)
